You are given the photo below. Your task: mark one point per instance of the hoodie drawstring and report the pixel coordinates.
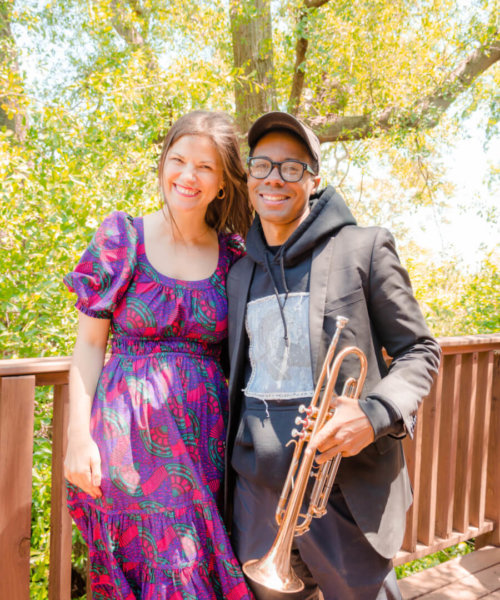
(276, 293)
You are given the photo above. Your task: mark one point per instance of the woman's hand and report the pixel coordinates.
(82, 465)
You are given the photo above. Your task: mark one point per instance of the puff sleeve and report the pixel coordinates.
(105, 269)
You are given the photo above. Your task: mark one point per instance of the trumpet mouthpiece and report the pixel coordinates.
(341, 322)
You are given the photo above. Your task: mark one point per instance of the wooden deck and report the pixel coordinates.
(469, 577)
(452, 461)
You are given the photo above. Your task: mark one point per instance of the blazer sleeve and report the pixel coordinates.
(398, 322)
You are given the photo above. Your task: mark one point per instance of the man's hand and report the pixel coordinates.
(346, 433)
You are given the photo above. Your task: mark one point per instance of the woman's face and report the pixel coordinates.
(192, 174)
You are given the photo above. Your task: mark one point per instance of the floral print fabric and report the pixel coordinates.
(159, 419)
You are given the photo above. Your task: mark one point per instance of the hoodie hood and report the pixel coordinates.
(329, 213)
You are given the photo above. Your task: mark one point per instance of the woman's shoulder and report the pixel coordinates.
(116, 231)
(105, 269)
(234, 243)
(116, 223)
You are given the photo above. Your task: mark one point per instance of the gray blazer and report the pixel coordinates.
(356, 274)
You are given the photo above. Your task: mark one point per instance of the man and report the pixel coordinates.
(308, 263)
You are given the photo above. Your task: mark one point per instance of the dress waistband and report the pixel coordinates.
(135, 346)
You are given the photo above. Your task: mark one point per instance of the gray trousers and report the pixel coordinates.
(334, 558)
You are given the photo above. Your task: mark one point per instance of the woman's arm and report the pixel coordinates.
(82, 465)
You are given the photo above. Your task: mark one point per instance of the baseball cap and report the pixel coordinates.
(282, 120)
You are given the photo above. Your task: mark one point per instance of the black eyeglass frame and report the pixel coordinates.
(305, 167)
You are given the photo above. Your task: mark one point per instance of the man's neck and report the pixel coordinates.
(277, 234)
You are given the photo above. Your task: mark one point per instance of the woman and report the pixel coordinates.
(147, 428)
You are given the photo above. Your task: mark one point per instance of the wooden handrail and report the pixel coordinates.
(452, 461)
(34, 366)
(469, 343)
(55, 364)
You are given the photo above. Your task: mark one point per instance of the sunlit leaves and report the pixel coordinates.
(456, 301)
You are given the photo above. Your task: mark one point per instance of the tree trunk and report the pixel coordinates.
(12, 114)
(253, 60)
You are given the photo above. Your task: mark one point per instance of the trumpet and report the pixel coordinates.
(273, 574)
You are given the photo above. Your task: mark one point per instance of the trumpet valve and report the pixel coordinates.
(304, 422)
(299, 434)
(310, 411)
(318, 512)
(341, 322)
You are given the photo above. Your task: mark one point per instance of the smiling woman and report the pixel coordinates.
(179, 242)
(192, 176)
(147, 428)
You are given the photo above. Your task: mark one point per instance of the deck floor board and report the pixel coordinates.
(468, 577)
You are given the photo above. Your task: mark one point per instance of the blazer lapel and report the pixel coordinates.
(320, 270)
(237, 328)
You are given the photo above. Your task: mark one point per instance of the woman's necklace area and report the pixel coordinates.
(180, 238)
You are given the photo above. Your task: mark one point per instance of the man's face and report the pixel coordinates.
(281, 205)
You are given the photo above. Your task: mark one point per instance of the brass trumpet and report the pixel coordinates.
(273, 573)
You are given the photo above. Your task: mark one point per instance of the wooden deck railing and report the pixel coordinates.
(18, 380)
(453, 461)
(453, 458)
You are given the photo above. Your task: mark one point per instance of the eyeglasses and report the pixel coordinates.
(290, 170)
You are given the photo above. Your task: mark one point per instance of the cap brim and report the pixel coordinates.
(279, 120)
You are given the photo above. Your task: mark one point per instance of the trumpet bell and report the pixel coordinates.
(272, 577)
(270, 580)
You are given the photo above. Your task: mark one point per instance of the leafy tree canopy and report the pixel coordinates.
(88, 90)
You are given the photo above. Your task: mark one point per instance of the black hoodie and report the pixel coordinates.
(281, 273)
(286, 268)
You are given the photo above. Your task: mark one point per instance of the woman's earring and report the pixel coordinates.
(221, 194)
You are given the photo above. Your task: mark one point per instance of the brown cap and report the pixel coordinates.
(282, 120)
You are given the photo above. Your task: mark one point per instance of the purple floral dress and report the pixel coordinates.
(159, 419)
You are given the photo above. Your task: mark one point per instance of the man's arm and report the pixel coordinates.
(397, 321)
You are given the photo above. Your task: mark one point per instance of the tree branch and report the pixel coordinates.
(299, 72)
(128, 32)
(314, 3)
(423, 114)
(124, 29)
(135, 5)
(433, 106)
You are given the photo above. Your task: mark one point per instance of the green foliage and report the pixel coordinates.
(432, 560)
(456, 302)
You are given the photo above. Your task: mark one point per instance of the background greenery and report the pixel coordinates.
(88, 90)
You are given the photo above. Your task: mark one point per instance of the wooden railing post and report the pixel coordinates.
(17, 405)
(430, 461)
(466, 423)
(60, 520)
(482, 436)
(492, 508)
(451, 366)
(413, 454)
